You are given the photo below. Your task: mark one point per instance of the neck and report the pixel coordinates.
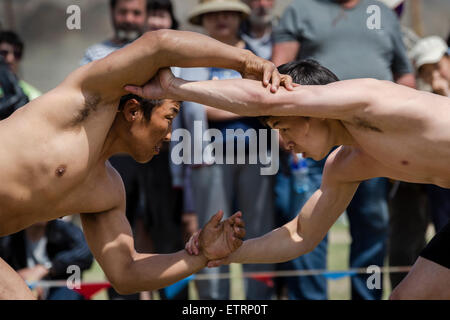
(340, 134)
(117, 41)
(112, 145)
(259, 31)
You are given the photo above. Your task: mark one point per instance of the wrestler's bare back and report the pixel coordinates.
(403, 136)
(53, 166)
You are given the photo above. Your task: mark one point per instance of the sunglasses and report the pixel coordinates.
(17, 53)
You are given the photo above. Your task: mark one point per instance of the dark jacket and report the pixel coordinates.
(65, 246)
(11, 95)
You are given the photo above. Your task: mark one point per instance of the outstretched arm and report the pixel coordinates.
(111, 241)
(302, 234)
(138, 62)
(250, 98)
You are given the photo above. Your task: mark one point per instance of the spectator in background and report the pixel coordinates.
(227, 186)
(44, 251)
(256, 31)
(432, 61)
(163, 224)
(12, 96)
(335, 33)
(408, 202)
(160, 15)
(129, 20)
(12, 50)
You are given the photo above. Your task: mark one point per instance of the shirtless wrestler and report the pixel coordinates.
(56, 165)
(382, 130)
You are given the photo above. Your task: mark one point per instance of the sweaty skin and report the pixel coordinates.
(382, 130)
(55, 150)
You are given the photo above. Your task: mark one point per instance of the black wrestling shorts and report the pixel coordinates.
(438, 249)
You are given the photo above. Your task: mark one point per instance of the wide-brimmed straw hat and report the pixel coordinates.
(207, 6)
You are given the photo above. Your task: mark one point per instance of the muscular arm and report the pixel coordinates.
(110, 239)
(302, 234)
(249, 98)
(138, 62)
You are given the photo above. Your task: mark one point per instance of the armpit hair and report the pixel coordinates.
(365, 124)
(90, 104)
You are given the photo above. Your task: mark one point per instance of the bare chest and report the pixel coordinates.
(405, 154)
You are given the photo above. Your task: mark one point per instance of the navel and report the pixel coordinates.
(405, 163)
(60, 170)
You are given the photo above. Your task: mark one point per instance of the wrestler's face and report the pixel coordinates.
(148, 136)
(308, 136)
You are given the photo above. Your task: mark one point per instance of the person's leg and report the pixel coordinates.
(408, 222)
(209, 197)
(426, 280)
(429, 277)
(369, 223)
(255, 199)
(12, 286)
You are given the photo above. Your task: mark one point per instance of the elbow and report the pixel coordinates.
(156, 39)
(121, 282)
(122, 287)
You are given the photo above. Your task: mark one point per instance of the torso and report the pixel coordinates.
(50, 170)
(409, 142)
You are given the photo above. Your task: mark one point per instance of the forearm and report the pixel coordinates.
(191, 49)
(280, 245)
(154, 271)
(214, 114)
(239, 96)
(302, 234)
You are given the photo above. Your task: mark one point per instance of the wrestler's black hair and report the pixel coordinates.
(306, 72)
(163, 5)
(147, 105)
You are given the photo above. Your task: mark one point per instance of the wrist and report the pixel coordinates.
(203, 259)
(245, 57)
(173, 90)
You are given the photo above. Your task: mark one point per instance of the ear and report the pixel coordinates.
(307, 126)
(132, 110)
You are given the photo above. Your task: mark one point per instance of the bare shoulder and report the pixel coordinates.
(349, 164)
